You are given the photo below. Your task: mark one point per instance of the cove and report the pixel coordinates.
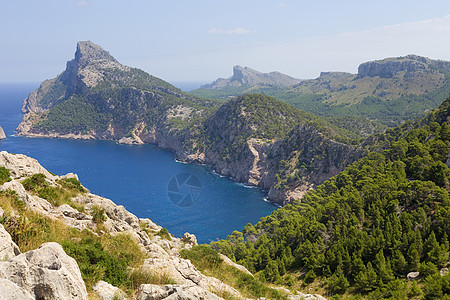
(148, 181)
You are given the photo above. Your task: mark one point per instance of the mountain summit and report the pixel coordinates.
(245, 76)
(88, 52)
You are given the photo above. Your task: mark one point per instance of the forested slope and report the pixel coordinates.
(362, 231)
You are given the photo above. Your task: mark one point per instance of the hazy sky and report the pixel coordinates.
(181, 40)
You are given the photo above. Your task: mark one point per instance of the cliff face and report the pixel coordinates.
(388, 67)
(245, 76)
(266, 143)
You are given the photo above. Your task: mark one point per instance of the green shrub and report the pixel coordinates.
(73, 184)
(97, 264)
(164, 233)
(5, 176)
(98, 214)
(35, 182)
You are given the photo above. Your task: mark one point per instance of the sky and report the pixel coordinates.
(201, 40)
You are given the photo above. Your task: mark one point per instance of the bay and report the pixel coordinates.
(141, 178)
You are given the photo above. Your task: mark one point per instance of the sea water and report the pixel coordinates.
(147, 181)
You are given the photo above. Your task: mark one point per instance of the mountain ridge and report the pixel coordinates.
(389, 91)
(247, 76)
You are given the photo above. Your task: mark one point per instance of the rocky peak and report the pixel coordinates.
(388, 67)
(88, 52)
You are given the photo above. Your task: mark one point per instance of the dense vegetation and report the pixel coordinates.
(362, 231)
(122, 107)
(5, 176)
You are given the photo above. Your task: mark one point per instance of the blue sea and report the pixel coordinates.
(148, 181)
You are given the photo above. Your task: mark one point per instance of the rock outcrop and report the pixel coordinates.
(388, 67)
(245, 76)
(107, 291)
(185, 292)
(45, 273)
(8, 248)
(2, 134)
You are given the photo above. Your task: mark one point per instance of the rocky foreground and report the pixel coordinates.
(49, 273)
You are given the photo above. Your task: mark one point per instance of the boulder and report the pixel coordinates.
(232, 263)
(413, 275)
(46, 273)
(8, 249)
(443, 271)
(185, 292)
(189, 239)
(11, 291)
(107, 291)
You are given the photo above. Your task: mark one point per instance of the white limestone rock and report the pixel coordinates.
(11, 291)
(8, 249)
(46, 273)
(107, 291)
(20, 165)
(174, 292)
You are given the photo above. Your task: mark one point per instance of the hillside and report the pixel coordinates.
(259, 140)
(363, 232)
(389, 91)
(97, 97)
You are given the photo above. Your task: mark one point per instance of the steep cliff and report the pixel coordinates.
(264, 142)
